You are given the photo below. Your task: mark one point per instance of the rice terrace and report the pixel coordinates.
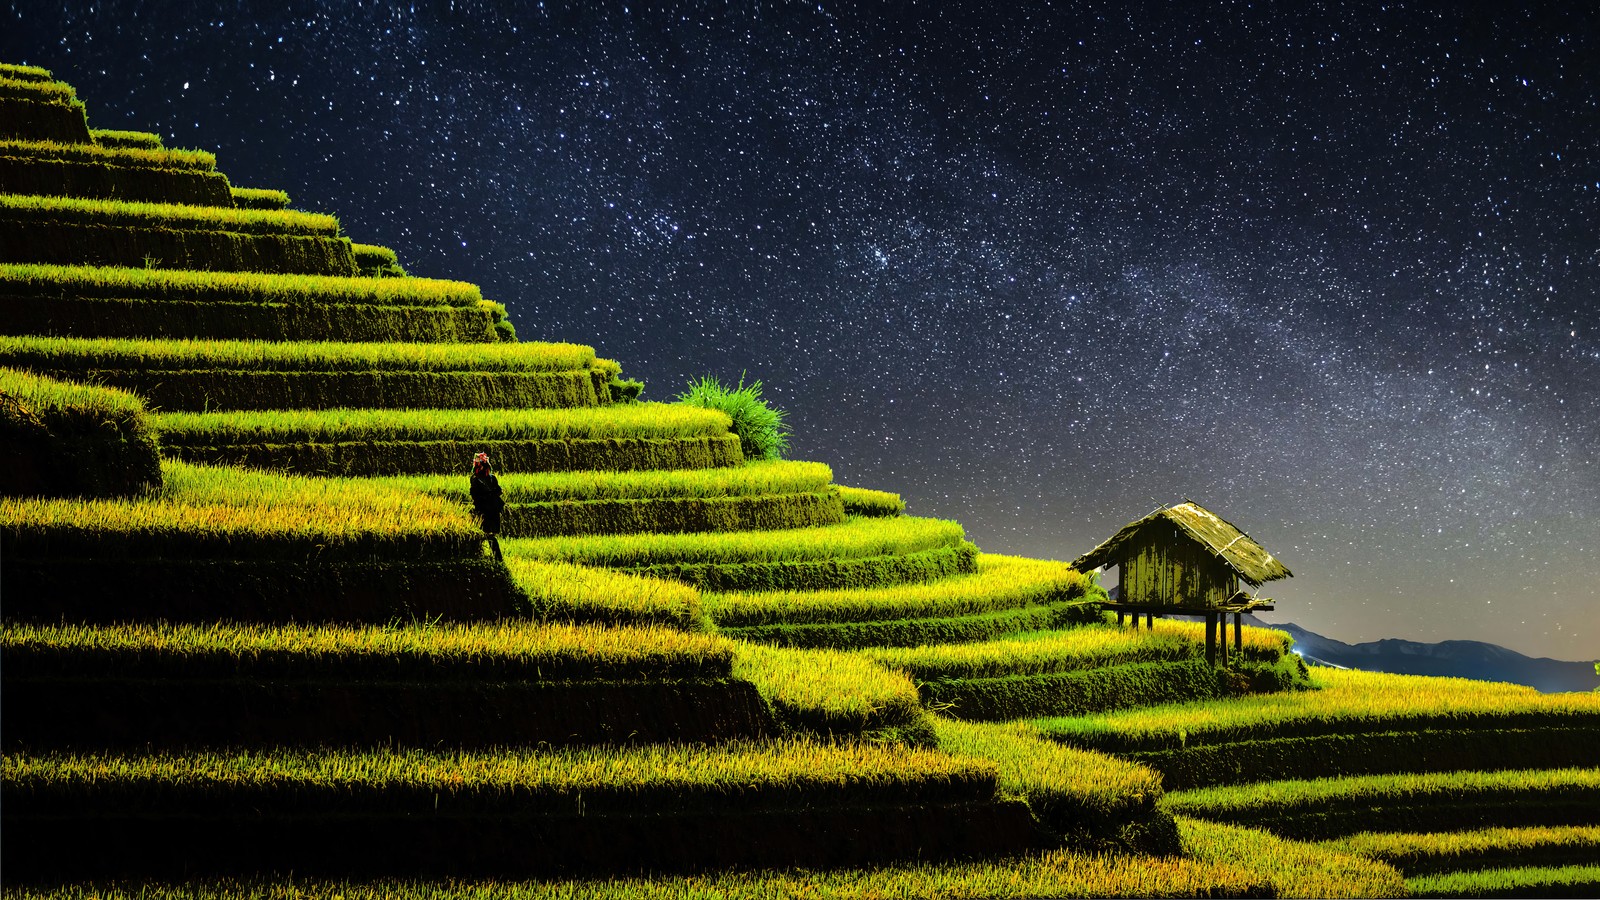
(255, 643)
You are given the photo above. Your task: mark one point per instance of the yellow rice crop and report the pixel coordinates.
(27, 207)
(828, 684)
(730, 768)
(1295, 868)
(1405, 849)
(1001, 582)
(1520, 881)
(198, 160)
(1086, 647)
(509, 643)
(1286, 797)
(630, 420)
(1035, 876)
(114, 281)
(1345, 700)
(563, 590)
(855, 538)
(756, 478)
(1033, 767)
(278, 356)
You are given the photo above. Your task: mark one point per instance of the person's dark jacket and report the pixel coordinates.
(487, 500)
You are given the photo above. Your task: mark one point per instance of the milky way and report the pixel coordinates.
(1037, 267)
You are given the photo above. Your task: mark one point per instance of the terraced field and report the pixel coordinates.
(252, 616)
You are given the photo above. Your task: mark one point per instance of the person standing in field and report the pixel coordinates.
(487, 500)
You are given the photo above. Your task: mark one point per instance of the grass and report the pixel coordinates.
(634, 420)
(1416, 853)
(1346, 701)
(1066, 787)
(508, 649)
(1048, 875)
(73, 210)
(864, 502)
(71, 439)
(167, 284)
(832, 693)
(1294, 868)
(88, 354)
(662, 778)
(751, 480)
(1523, 881)
(114, 155)
(114, 138)
(19, 72)
(561, 591)
(1326, 808)
(854, 539)
(29, 87)
(761, 429)
(227, 513)
(260, 198)
(1001, 582)
(1037, 653)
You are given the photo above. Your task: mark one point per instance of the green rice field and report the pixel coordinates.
(79, 211)
(633, 420)
(47, 281)
(88, 354)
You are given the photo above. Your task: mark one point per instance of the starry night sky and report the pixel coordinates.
(1329, 269)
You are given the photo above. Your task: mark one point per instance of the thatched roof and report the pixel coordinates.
(1226, 542)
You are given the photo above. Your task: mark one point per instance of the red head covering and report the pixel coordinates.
(480, 463)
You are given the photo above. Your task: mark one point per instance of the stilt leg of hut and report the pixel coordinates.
(1222, 638)
(1120, 615)
(1238, 632)
(1211, 638)
(1149, 621)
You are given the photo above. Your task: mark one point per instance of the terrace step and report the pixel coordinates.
(42, 169)
(1005, 595)
(1432, 852)
(258, 375)
(504, 684)
(39, 109)
(857, 553)
(72, 231)
(1327, 808)
(95, 317)
(1356, 723)
(510, 814)
(1097, 667)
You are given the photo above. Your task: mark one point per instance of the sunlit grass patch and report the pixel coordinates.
(855, 538)
(829, 692)
(754, 479)
(1521, 881)
(74, 210)
(114, 281)
(1001, 582)
(226, 513)
(864, 502)
(1294, 868)
(563, 591)
(1037, 653)
(634, 420)
(1416, 853)
(1345, 701)
(89, 354)
(508, 649)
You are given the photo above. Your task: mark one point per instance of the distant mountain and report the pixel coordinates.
(1462, 659)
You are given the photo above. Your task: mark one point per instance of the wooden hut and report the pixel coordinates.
(1188, 560)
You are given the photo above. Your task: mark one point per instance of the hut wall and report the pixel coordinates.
(1166, 567)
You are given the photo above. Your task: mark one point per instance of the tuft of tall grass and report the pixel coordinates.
(32, 279)
(854, 539)
(73, 210)
(67, 354)
(761, 429)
